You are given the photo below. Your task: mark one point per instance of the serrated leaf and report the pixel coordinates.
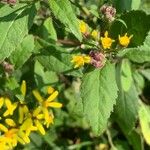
(14, 25)
(22, 52)
(144, 116)
(126, 75)
(62, 10)
(99, 93)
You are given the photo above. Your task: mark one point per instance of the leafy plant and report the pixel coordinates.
(93, 55)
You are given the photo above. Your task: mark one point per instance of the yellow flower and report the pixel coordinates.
(95, 34)
(80, 60)
(125, 40)
(49, 101)
(106, 41)
(83, 27)
(10, 107)
(44, 105)
(9, 139)
(27, 126)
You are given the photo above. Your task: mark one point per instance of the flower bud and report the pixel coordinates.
(108, 12)
(97, 59)
(10, 2)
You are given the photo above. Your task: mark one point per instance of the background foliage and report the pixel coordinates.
(102, 109)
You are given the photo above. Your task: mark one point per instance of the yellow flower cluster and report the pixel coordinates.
(103, 43)
(18, 121)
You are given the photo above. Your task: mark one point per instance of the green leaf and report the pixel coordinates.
(137, 23)
(22, 52)
(43, 77)
(57, 59)
(146, 73)
(122, 5)
(47, 30)
(62, 10)
(126, 75)
(144, 116)
(99, 93)
(139, 81)
(126, 109)
(140, 54)
(14, 25)
(135, 4)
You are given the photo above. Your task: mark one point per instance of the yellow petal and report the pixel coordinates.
(6, 113)
(1, 102)
(3, 128)
(23, 88)
(50, 90)
(8, 103)
(55, 105)
(40, 116)
(46, 113)
(20, 140)
(40, 127)
(23, 136)
(37, 96)
(21, 114)
(10, 122)
(52, 97)
(106, 34)
(37, 111)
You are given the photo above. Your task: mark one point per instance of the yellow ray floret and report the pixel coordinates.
(1, 102)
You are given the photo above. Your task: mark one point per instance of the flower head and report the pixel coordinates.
(106, 41)
(95, 34)
(108, 11)
(44, 105)
(125, 40)
(10, 107)
(83, 27)
(80, 60)
(97, 59)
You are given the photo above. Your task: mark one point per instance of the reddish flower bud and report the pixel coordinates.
(11, 2)
(97, 59)
(109, 12)
(7, 67)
